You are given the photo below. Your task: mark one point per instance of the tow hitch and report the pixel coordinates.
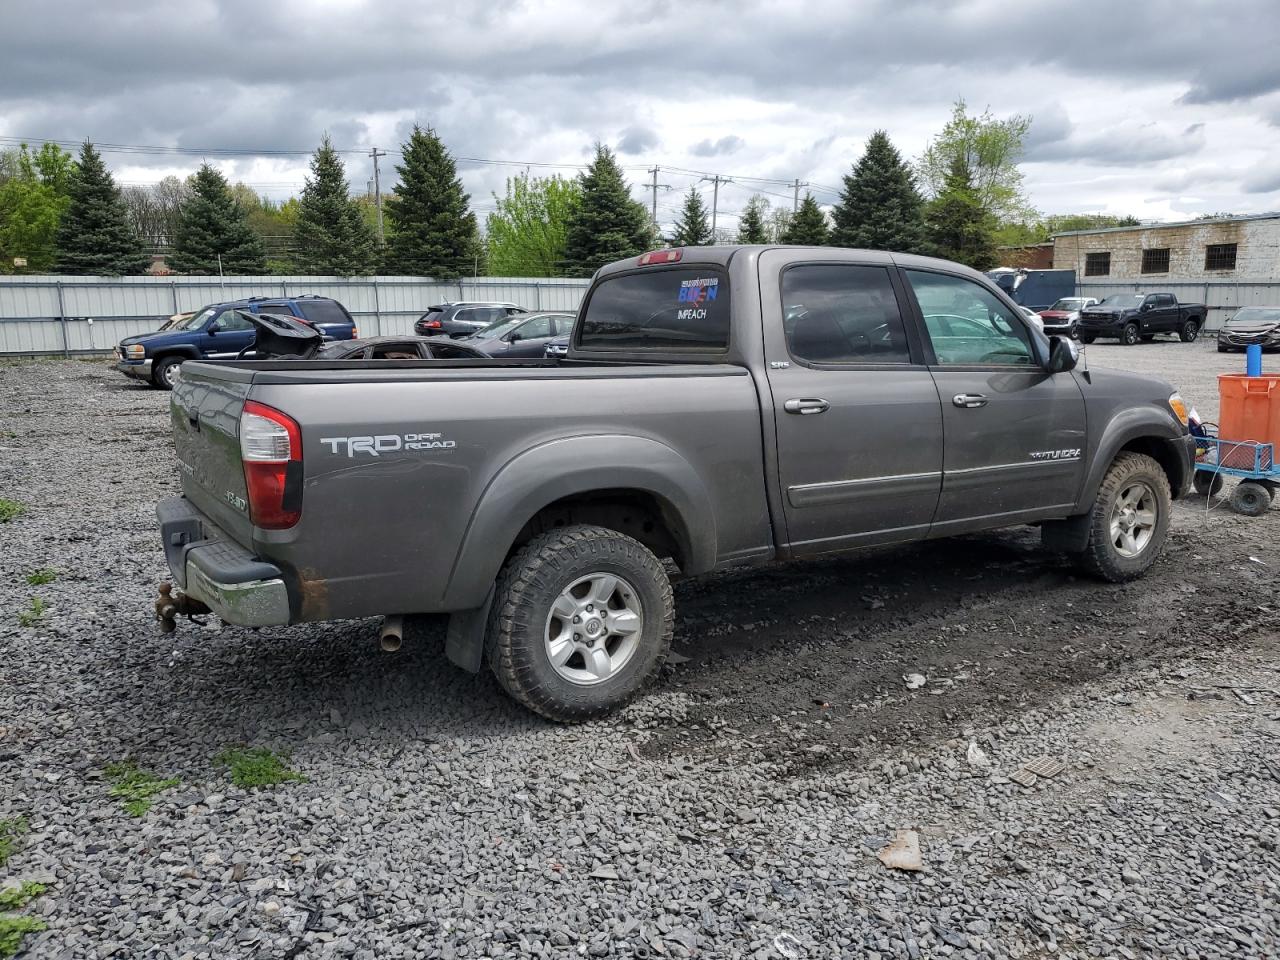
(170, 607)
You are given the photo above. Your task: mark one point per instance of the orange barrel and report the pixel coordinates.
(1249, 408)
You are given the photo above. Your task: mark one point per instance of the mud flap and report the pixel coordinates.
(1066, 536)
(464, 642)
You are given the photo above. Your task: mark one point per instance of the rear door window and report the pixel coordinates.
(842, 313)
(685, 309)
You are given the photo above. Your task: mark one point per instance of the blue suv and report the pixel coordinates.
(219, 332)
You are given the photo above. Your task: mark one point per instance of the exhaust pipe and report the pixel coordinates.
(392, 634)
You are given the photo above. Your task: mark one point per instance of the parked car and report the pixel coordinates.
(221, 331)
(1251, 325)
(462, 319)
(909, 399)
(1131, 317)
(557, 348)
(1060, 319)
(522, 334)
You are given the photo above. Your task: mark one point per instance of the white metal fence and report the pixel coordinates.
(1222, 298)
(51, 315)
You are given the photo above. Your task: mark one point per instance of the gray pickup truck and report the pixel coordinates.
(718, 406)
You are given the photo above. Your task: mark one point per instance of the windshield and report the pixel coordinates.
(193, 321)
(500, 328)
(1257, 315)
(1126, 300)
(1068, 303)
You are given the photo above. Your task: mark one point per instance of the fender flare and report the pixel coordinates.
(182, 350)
(1134, 423)
(541, 475)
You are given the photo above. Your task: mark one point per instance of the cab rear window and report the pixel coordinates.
(683, 309)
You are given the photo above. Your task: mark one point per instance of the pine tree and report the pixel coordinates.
(433, 231)
(880, 207)
(608, 225)
(213, 226)
(95, 235)
(808, 226)
(331, 236)
(751, 228)
(958, 227)
(692, 229)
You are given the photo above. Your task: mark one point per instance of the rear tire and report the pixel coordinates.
(1129, 334)
(164, 372)
(1190, 330)
(600, 662)
(1250, 499)
(1086, 338)
(1129, 520)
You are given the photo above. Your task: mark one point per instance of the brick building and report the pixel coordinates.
(1223, 250)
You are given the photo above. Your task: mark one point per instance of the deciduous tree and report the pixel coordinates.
(527, 233)
(33, 197)
(990, 150)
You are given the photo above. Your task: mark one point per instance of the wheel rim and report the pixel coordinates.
(1130, 335)
(170, 374)
(1191, 331)
(594, 628)
(1133, 519)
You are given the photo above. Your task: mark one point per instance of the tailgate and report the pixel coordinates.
(205, 409)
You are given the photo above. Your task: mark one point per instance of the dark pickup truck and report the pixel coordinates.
(718, 406)
(1131, 317)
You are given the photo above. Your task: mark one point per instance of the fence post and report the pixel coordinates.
(537, 296)
(62, 319)
(173, 289)
(284, 289)
(377, 308)
(462, 290)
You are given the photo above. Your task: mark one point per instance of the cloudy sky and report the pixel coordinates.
(1161, 108)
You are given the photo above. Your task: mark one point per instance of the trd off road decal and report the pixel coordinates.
(387, 443)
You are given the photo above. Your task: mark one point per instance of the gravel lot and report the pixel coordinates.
(736, 810)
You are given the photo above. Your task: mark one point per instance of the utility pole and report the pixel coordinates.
(377, 188)
(654, 185)
(795, 196)
(716, 180)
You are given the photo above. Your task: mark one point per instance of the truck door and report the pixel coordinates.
(1166, 310)
(1014, 432)
(225, 336)
(859, 426)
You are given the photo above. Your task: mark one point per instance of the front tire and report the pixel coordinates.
(1086, 338)
(1190, 330)
(1223, 348)
(582, 620)
(1129, 520)
(164, 373)
(1129, 334)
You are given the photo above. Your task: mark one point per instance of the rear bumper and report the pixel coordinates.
(214, 569)
(138, 369)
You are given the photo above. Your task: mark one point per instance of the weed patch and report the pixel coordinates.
(11, 831)
(135, 787)
(257, 767)
(10, 509)
(38, 578)
(13, 929)
(33, 614)
(11, 898)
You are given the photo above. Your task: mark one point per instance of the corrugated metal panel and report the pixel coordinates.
(121, 306)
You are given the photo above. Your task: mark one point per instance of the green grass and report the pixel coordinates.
(11, 831)
(13, 929)
(33, 614)
(257, 767)
(11, 898)
(38, 578)
(10, 509)
(135, 787)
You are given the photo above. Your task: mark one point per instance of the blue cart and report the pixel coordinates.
(1254, 464)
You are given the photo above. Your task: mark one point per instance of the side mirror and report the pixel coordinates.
(514, 336)
(213, 328)
(1145, 307)
(1063, 354)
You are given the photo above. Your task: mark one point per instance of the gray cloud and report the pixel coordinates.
(1054, 138)
(1264, 178)
(634, 140)
(720, 148)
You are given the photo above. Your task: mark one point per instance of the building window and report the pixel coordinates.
(1155, 261)
(1220, 256)
(1097, 264)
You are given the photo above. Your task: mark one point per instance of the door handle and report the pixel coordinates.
(806, 406)
(969, 400)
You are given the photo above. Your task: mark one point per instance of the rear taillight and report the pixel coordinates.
(271, 449)
(661, 256)
(432, 324)
(355, 333)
